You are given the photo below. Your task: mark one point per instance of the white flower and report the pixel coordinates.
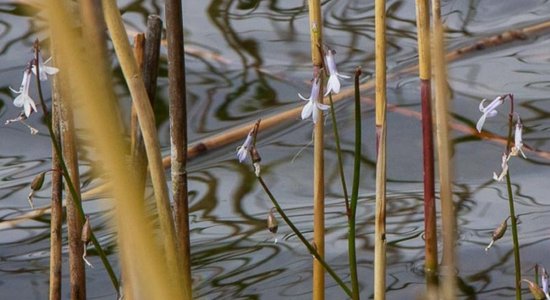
(311, 107)
(544, 282)
(504, 166)
(518, 140)
(44, 70)
(24, 100)
(489, 111)
(242, 151)
(333, 84)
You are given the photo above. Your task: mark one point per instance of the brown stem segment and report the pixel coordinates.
(430, 233)
(57, 205)
(178, 134)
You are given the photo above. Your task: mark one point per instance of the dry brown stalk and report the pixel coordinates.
(56, 219)
(178, 134)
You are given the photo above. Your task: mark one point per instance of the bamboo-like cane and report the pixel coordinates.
(380, 217)
(178, 134)
(448, 216)
(151, 274)
(148, 128)
(424, 57)
(316, 33)
(56, 220)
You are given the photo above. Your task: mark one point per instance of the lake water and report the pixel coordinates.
(248, 59)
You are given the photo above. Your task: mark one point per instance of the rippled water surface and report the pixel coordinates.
(249, 59)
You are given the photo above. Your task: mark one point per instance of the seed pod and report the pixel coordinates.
(501, 230)
(86, 232)
(535, 289)
(272, 223)
(38, 181)
(498, 233)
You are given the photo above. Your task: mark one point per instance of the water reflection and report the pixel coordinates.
(250, 59)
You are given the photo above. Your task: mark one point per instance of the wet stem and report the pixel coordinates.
(65, 174)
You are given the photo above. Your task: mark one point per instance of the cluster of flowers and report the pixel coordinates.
(24, 100)
(490, 111)
(311, 109)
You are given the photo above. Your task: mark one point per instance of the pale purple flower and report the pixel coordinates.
(24, 100)
(333, 84)
(504, 166)
(489, 111)
(242, 151)
(311, 108)
(518, 140)
(44, 70)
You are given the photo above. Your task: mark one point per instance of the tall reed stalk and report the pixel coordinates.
(448, 217)
(380, 217)
(152, 277)
(316, 32)
(178, 133)
(424, 58)
(148, 128)
(56, 220)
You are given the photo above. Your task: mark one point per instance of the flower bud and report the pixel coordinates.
(86, 231)
(535, 289)
(272, 223)
(36, 185)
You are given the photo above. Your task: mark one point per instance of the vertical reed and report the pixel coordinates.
(146, 51)
(424, 57)
(148, 128)
(178, 133)
(316, 32)
(56, 219)
(74, 221)
(448, 216)
(152, 277)
(380, 217)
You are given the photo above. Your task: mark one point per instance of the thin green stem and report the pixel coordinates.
(339, 154)
(517, 263)
(311, 249)
(65, 173)
(355, 190)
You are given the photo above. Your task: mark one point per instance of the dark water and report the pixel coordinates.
(249, 60)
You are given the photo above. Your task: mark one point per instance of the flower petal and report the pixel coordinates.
(307, 110)
(19, 100)
(481, 108)
(343, 76)
(480, 123)
(302, 97)
(322, 106)
(27, 108)
(333, 84)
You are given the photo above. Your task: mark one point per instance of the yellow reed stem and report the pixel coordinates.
(316, 25)
(152, 277)
(448, 217)
(146, 121)
(380, 217)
